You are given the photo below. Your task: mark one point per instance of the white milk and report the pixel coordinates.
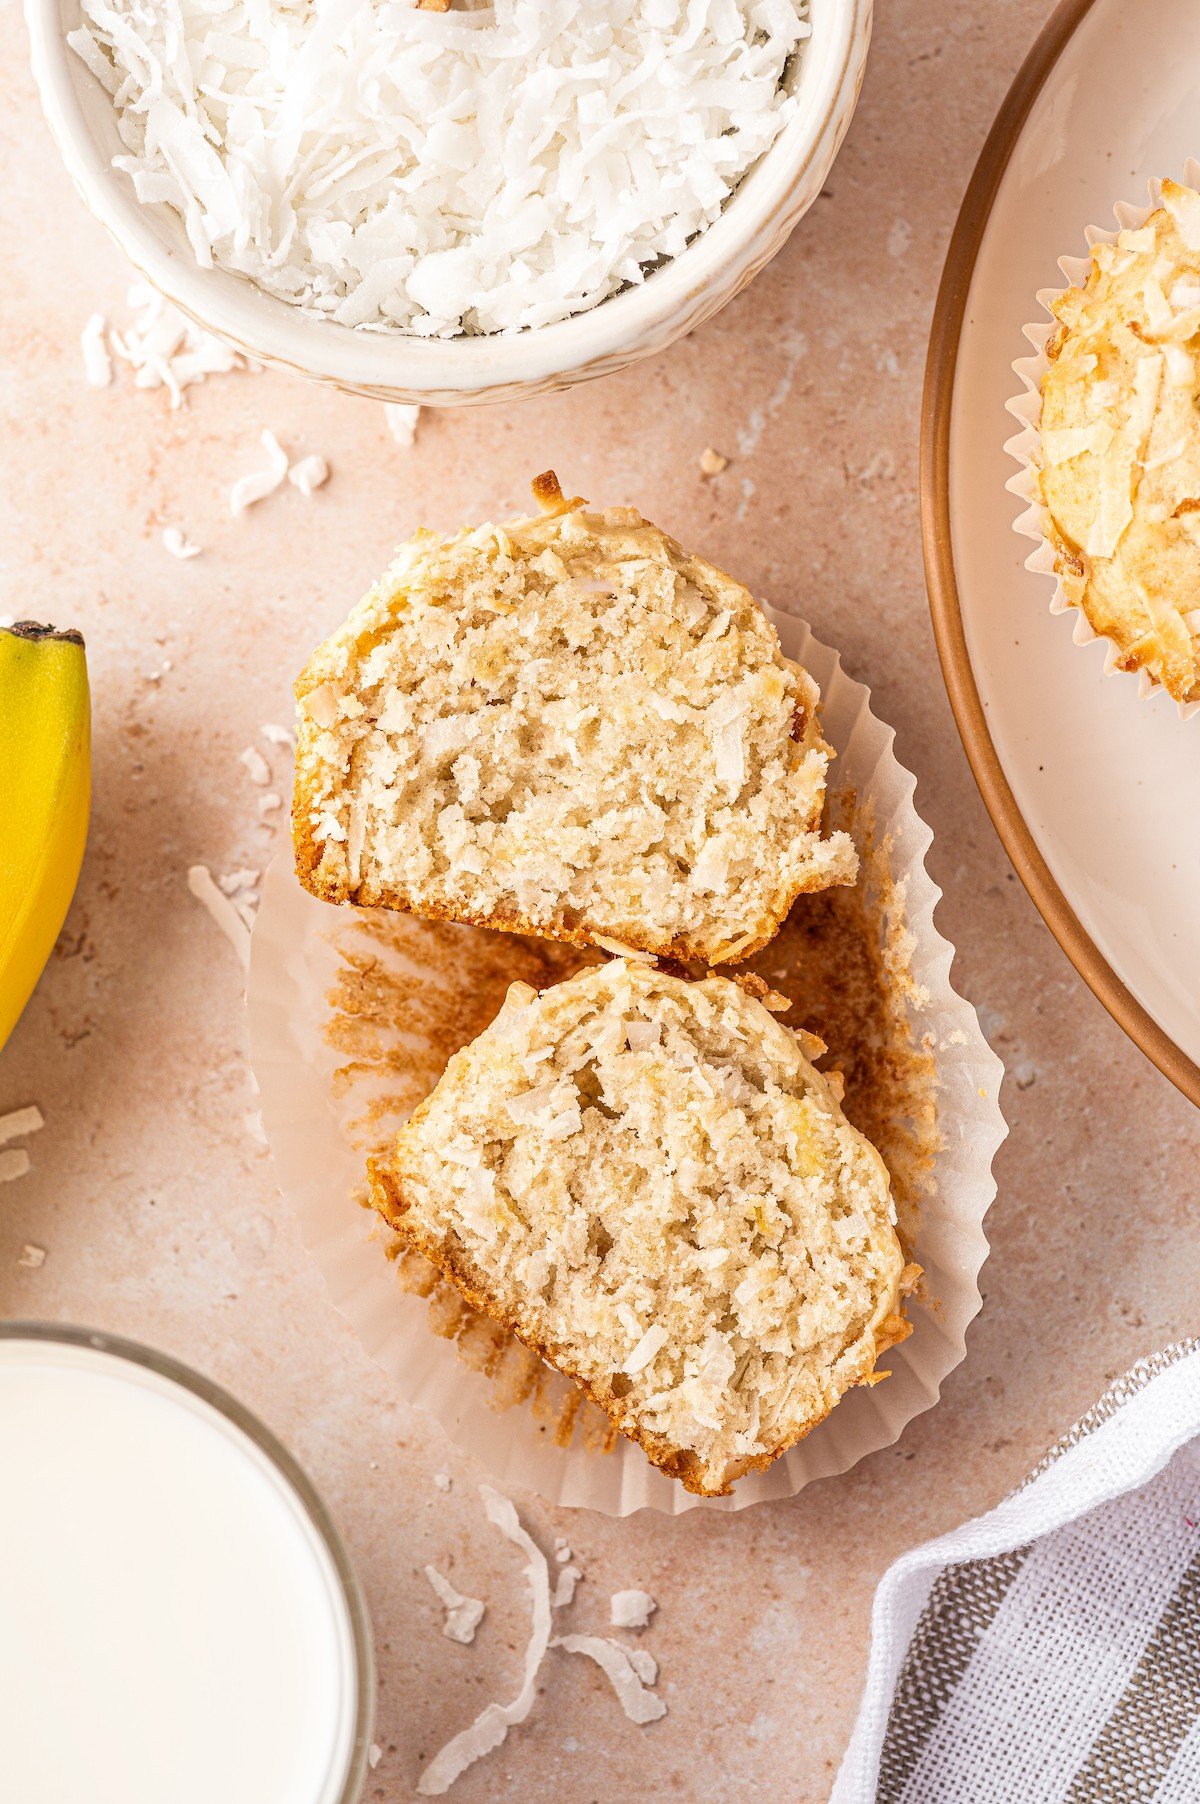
(172, 1626)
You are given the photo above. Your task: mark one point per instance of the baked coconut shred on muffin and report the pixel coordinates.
(1120, 443)
(565, 726)
(651, 1184)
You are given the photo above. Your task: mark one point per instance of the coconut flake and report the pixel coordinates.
(647, 1349)
(443, 1481)
(1067, 442)
(491, 1726)
(269, 804)
(32, 1256)
(401, 420)
(1183, 204)
(463, 1614)
(308, 474)
(639, 1705)
(200, 882)
(19, 1122)
(631, 1609)
(13, 1164)
(564, 1590)
(258, 484)
(97, 362)
(278, 736)
(178, 543)
(257, 768)
(165, 349)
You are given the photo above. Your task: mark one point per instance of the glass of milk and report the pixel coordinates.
(179, 1621)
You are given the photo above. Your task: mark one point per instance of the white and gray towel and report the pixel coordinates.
(1049, 1652)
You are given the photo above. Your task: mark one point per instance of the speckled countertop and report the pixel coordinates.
(156, 1206)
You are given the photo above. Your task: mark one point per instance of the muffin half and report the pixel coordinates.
(648, 1181)
(565, 726)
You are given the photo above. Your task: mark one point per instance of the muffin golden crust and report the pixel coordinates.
(647, 1180)
(565, 726)
(1119, 456)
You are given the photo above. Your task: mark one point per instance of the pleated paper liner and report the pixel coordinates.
(353, 1015)
(1027, 408)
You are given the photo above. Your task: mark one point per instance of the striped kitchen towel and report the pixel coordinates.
(1049, 1652)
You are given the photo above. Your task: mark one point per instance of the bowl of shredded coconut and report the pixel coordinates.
(438, 201)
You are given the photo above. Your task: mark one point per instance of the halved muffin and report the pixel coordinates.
(565, 726)
(648, 1181)
(1119, 458)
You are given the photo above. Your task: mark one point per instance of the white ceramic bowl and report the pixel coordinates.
(444, 372)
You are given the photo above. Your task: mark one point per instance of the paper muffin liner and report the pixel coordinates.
(1027, 408)
(352, 1015)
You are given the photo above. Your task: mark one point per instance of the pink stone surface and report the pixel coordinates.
(156, 1206)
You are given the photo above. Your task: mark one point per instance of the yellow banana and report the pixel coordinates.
(45, 790)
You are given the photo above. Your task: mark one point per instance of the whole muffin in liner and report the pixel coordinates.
(354, 1013)
(1026, 445)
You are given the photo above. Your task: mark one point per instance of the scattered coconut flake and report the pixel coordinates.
(631, 1609)
(616, 1662)
(21, 1121)
(620, 950)
(397, 168)
(402, 420)
(233, 881)
(246, 911)
(97, 361)
(1183, 204)
(443, 1481)
(178, 543)
(463, 1614)
(564, 1590)
(257, 768)
(647, 1349)
(562, 1551)
(32, 1256)
(200, 882)
(258, 484)
(278, 736)
(711, 462)
(643, 1663)
(308, 473)
(165, 349)
(374, 1755)
(269, 803)
(491, 1726)
(13, 1164)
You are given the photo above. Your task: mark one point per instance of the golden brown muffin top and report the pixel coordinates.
(1120, 443)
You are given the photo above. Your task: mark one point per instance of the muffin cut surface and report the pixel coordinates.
(647, 1180)
(567, 727)
(1120, 443)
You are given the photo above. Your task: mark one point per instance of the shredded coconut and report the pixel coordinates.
(165, 349)
(443, 1481)
(631, 1609)
(258, 484)
(178, 543)
(21, 1121)
(491, 1726)
(13, 1164)
(402, 420)
(562, 1551)
(32, 1256)
(257, 768)
(278, 736)
(221, 909)
(308, 473)
(269, 804)
(97, 363)
(618, 1664)
(564, 1590)
(441, 172)
(374, 1755)
(463, 1614)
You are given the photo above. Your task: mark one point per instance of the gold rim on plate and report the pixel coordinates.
(936, 406)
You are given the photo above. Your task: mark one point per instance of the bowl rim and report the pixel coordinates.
(718, 260)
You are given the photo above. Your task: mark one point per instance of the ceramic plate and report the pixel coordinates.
(1095, 792)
